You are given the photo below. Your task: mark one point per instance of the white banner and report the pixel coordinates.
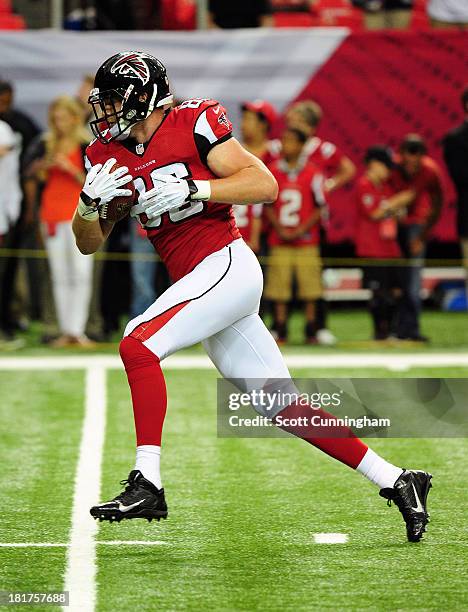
(231, 66)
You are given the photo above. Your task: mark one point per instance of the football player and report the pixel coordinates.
(189, 170)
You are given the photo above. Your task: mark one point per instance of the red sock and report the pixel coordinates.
(344, 445)
(148, 389)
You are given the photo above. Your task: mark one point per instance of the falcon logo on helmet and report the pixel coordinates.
(133, 66)
(128, 87)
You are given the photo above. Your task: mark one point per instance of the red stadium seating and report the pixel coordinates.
(8, 20)
(12, 22)
(178, 14)
(294, 20)
(5, 7)
(324, 13)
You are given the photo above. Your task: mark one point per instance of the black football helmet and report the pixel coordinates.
(127, 88)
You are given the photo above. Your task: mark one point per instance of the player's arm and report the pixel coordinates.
(90, 234)
(243, 178)
(101, 186)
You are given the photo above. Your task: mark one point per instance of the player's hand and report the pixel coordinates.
(102, 185)
(168, 193)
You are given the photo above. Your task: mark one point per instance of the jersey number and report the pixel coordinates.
(180, 171)
(289, 211)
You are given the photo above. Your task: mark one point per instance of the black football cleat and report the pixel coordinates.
(410, 493)
(141, 499)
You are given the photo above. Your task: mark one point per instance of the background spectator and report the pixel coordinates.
(386, 14)
(10, 201)
(338, 171)
(59, 166)
(227, 14)
(22, 234)
(336, 167)
(82, 95)
(257, 119)
(376, 239)
(95, 326)
(420, 175)
(294, 235)
(448, 13)
(19, 122)
(455, 146)
(256, 122)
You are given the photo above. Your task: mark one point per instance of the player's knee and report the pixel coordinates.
(135, 355)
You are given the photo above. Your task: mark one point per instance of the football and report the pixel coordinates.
(118, 208)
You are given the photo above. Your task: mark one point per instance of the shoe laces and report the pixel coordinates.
(129, 485)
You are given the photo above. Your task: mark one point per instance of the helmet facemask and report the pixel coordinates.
(110, 122)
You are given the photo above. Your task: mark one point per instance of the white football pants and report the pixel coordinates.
(217, 304)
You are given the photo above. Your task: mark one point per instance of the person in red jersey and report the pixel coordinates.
(258, 117)
(256, 122)
(294, 235)
(376, 237)
(419, 173)
(336, 167)
(338, 170)
(189, 171)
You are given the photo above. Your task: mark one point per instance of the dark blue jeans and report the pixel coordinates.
(410, 303)
(143, 273)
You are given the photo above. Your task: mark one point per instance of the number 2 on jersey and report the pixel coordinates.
(289, 211)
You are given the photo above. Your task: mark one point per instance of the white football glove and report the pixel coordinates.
(102, 185)
(169, 193)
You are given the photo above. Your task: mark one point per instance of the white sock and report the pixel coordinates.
(147, 461)
(377, 470)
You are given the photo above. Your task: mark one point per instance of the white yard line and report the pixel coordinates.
(80, 575)
(65, 545)
(330, 538)
(395, 361)
(32, 545)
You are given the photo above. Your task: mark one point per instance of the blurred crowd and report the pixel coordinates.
(182, 14)
(81, 300)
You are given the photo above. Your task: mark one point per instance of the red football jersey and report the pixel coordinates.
(180, 146)
(300, 193)
(244, 216)
(325, 155)
(427, 182)
(374, 238)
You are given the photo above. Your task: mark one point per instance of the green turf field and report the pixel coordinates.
(352, 327)
(242, 512)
